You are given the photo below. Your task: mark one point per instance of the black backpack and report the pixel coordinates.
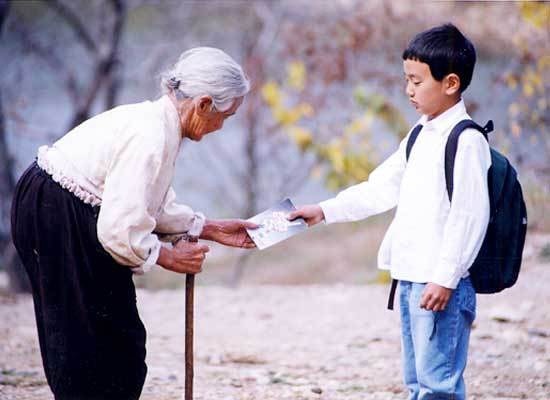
(498, 262)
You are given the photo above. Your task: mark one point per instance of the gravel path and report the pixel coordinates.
(306, 342)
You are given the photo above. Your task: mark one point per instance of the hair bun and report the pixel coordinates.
(174, 83)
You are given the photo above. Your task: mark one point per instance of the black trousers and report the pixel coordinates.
(91, 338)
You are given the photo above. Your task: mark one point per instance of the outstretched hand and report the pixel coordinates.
(312, 214)
(229, 232)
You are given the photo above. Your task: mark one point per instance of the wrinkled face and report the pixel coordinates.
(428, 96)
(205, 119)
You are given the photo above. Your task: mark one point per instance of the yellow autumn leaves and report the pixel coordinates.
(274, 97)
(348, 157)
(287, 116)
(531, 80)
(537, 13)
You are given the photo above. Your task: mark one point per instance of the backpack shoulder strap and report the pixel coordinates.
(412, 139)
(391, 296)
(452, 146)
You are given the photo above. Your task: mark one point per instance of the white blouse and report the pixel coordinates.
(123, 160)
(430, 239)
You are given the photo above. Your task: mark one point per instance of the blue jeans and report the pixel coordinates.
(435, 344)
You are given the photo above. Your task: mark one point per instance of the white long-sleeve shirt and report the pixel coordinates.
(124, 161)
(430, 238)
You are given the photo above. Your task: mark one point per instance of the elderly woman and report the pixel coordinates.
(90, 211)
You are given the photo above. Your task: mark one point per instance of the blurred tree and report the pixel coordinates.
(529, 81)
(269, 172)
(330, 54)
(99, 41)
(350, 153)
(296, 79)
(17, 276)
(325, 70)
(101, 45)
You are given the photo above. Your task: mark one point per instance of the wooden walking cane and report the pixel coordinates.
(191, 236)
(189, 308)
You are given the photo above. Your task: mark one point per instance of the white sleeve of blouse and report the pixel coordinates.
(134, 188)
(174, 218)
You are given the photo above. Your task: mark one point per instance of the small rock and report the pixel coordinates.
(317, 390)
(244, 359)
(214, 359)
(486, 336)
(236, 383)
(506, 315)
(538, 333)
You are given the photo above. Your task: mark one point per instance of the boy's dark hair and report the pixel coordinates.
(446, 50)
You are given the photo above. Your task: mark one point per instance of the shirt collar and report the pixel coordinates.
(447, 118)
(170, 114)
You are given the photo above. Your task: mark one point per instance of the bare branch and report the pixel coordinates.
(74, 22)
(113, 83)
(104, 68)
(271, 27)
(49, 56)
(18, 279)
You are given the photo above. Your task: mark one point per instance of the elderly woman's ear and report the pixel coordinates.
(205, 105)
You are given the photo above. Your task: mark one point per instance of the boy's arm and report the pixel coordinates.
(374, 196)
(469, 212)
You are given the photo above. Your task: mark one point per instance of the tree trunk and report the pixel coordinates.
(105, 74)
(252, 166)
(8, 256)
(250, 186)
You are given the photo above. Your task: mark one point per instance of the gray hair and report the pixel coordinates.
(206, 71)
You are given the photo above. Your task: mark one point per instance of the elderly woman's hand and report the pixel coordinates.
(185, 257)
(229, 232)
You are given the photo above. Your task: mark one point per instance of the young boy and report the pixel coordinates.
(431, 242)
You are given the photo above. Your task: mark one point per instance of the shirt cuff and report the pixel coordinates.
(447, 275)
(150, 262)
(197, 225)
(331, 211)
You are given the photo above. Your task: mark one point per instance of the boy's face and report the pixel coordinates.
(428, 96)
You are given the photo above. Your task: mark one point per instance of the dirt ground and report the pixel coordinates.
(307, 342)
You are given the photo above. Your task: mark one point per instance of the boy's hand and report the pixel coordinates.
(435, 297)
(312, 214)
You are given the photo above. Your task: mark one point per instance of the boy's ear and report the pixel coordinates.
(451, 84)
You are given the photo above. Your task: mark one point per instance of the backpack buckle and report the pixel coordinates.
(489, 126)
